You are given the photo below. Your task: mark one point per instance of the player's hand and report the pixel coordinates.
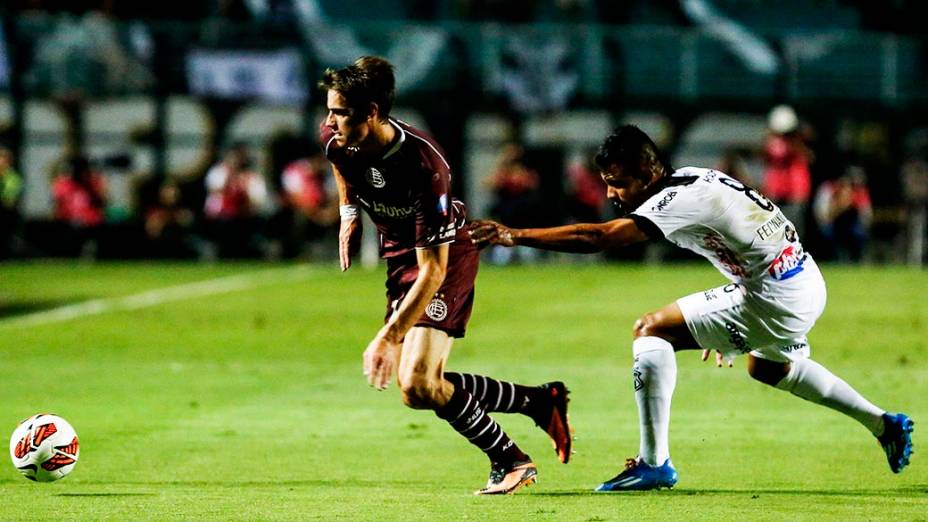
(349, 241)
(380, 360)
(485, 232)
(719, 360)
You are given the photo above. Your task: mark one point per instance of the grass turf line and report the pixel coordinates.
(251, 405)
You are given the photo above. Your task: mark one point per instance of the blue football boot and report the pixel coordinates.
(897, 440)
(639, 476)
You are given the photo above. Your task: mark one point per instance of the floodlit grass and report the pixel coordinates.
(250, 404)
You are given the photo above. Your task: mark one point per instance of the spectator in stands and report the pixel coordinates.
(309, 204)
(516, 196)
(515, 186)
(237, 201)
(843, 213)
(11, 189)
(787, 175)
(169, 225)
(586, 198)
(915, 191)
(79, 194)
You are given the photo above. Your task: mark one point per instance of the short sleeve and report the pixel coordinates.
(670, 210)
(435, 223)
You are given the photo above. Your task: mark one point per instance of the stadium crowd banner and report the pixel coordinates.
(275, 76)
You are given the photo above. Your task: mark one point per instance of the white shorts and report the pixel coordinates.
(768, 319)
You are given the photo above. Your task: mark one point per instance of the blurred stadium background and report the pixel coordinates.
(222, 391)
(154, 94)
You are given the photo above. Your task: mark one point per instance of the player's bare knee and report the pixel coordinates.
(767, 372)
(646, 325)
(419, 393)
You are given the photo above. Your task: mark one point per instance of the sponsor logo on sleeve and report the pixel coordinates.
(444, 233)
(443, 204)
(662, 204)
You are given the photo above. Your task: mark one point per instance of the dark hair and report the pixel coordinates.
(368, 80)
(624, 148)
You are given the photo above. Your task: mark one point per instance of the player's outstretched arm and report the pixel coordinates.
(579, 238)
(349, 233)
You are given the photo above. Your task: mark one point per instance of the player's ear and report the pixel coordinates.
(650, 167)
(373, 111)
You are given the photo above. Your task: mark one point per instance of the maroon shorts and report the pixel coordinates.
(450, 307)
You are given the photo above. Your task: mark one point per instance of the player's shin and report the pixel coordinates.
(494, 395)
(467, 416)
(655, 374)
(813, 382)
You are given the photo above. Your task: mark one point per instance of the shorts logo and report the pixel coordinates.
(437, 310)
(736, 338)
(375, 178)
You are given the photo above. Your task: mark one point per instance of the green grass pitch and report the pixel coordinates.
(248, 403)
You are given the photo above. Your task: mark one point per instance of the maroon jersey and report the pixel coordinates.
(406, 191)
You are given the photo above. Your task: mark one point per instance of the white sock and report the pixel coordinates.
(655, 373)
(813, 382)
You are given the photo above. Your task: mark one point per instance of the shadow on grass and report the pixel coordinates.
(315, 483)
(105, 494)
(17, 308)
(916, 490)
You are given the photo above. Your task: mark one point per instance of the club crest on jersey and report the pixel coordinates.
(375, 178)
(437, 309)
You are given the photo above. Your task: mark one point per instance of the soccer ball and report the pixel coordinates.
(44, 448)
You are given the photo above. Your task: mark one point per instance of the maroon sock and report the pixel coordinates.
(468, 418)
(501, 396)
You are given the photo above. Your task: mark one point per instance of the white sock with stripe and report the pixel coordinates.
(655, 373)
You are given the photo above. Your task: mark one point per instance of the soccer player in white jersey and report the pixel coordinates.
(775, 295)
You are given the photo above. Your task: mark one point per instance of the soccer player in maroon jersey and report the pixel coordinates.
(400, 177)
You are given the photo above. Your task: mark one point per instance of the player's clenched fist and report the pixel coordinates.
(485, 232)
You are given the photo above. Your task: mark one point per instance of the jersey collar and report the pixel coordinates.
(675, 178)
(399, 142)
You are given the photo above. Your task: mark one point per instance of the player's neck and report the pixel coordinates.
(382, 135)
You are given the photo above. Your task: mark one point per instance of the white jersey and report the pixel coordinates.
(736, 228)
